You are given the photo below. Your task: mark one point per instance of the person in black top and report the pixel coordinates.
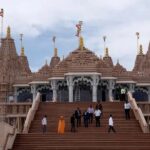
(85, 118)
(72, 121)
(100, 108)
(78, 116)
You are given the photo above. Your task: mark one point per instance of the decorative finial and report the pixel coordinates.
(81, 43)
(106, 52)
(141, 50)
(138, 36)
(2, 12)
(21, 38)
(21, 45)
(8, 32)
(79, 27)
(104, 39)
(22, 51)
(117, 61)
(55, 52)
(46, 62)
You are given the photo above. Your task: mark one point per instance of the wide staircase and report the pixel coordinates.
(129, 135)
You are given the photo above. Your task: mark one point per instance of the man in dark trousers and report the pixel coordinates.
(97, 116)
(85, 118)
(127, 108)
(44, 123)
(78, 116)
(111, 124)
(72, 121)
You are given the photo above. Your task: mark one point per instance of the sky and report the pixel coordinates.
(40, 20)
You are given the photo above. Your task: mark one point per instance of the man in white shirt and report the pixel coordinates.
(97, 116)
(44, 123)
(111, 124)
(127, 108)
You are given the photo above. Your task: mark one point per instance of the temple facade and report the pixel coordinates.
(81, 76)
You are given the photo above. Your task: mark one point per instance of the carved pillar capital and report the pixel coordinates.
(33, 90)
(54, 88)
(70, 87)
(111, 86)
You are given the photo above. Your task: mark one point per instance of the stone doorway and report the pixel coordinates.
(82, 91)
(62, 93)
(102, 93)
(46, 92)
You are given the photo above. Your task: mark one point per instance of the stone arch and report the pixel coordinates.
(141, 94)
(24, 95)
(102, 90)
(62, 91)
(82, 89)
(46, 92)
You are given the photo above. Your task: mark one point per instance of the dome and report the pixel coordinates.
(78, 61)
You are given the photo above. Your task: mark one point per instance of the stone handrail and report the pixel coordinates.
(138, 113)
(7, 136)
(31, 113)
(14, 108)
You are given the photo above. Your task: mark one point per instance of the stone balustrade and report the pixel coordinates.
(14, 113)
(10, 109)
(145, 107)
(138, 113)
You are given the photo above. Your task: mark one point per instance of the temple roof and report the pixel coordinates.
(77, 61)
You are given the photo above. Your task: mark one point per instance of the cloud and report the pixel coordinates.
(118, 20)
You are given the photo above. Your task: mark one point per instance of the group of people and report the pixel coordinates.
(88, 117)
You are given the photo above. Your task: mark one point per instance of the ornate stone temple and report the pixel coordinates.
(81, 76)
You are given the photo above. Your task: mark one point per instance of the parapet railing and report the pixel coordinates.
(145, 107)
(14, 113)
(7, 136)
(138, 113)
(10, 109)
(31, 113)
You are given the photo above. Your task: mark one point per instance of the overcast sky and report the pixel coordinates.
(40, 20)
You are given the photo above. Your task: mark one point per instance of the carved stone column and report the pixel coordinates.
(94, 90)
(110, 89)
(54, 88)
(70, 87)
(33, 91)
(15, 94)
(131, 88)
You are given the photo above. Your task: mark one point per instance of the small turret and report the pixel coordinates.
(8, 33)
(22, 52)
(141, 50)
(46, 64)
(55, 52)
(106, 52)
(107, 59)
(55, 59)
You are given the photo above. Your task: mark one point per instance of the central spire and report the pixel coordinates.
(81, 43)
